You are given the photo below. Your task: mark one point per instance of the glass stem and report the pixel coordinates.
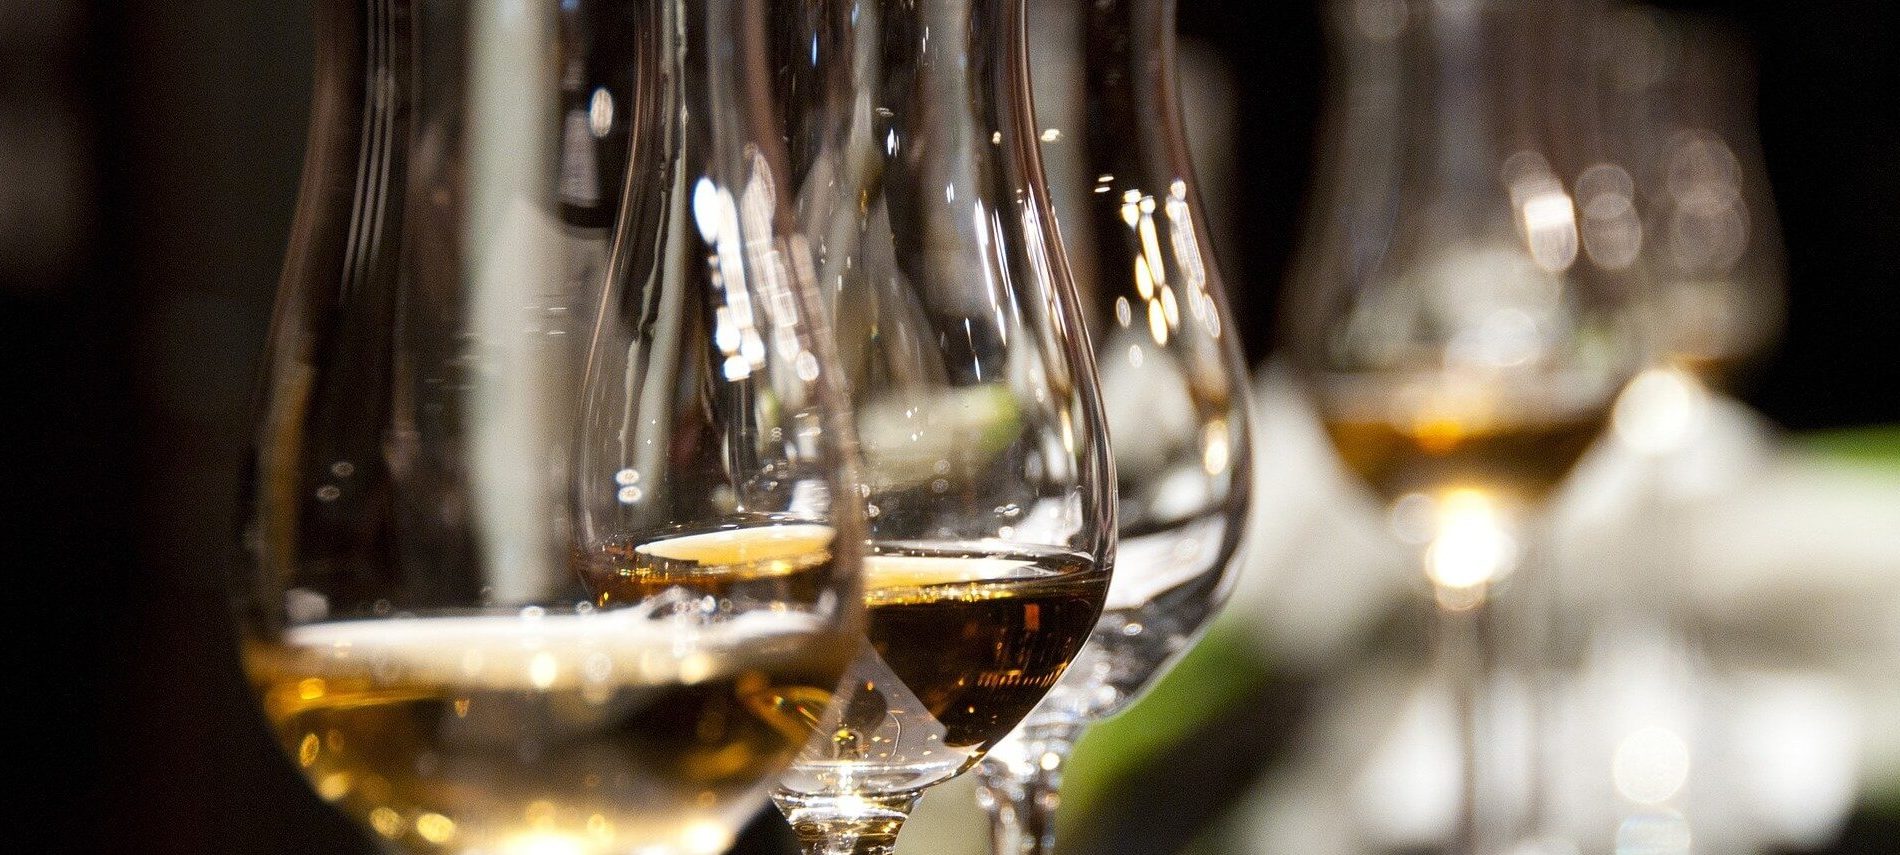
(1461, 653)
(1494, 657)
(1537, 635)
(1019, 785)
(846, 825)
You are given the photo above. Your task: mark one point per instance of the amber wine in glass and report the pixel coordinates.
(1456, 328)
(989, 493)
(1174, 384)
(554, 535)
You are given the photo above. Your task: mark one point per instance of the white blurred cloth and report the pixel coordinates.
(1787, 564)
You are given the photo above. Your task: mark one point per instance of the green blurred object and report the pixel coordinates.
(1872, 446)
(1224, 667)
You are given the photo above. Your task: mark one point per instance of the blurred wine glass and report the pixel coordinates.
(446, 653)
(990, 494)
(1679, 105)
(1460, 356)
(1173, 381)
(1691, 225)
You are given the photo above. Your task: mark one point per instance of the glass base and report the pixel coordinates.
(846, 824)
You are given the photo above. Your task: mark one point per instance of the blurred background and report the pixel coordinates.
(149, 158)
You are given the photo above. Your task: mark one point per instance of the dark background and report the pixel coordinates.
(149, 154)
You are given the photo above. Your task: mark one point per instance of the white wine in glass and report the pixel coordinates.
(555, 545)
(961, 643)
(1174, 384)
(989, 492)
(595, 731)
(1458, 336)
(1517, 446)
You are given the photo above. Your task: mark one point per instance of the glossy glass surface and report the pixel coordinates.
(1444, 295)
(1678, 95)
(1460, 337)
(1173, 383)
(990, 493)
(554, 533)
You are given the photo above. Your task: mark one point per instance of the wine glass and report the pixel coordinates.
(517, 219)
(1460, 356)
(1691, 220)
(1173, 382)
(1679, 101)
(1691, 224)
(990, 494)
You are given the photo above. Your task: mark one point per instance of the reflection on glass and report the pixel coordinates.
(989, 491)
(1654, 763)
(1441, 318)
(468, 632)
(1679, 94)
(1173, 383)
(1458, 341)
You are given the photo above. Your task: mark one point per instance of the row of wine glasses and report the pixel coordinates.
(672, 401)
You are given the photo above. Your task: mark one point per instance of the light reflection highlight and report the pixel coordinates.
(435, 828)
(1660, 411)
(1612, 230)
(600, 112)
(1214, 447)
(1650, 765)
(1546, 217)
(544, 843)
(1470, 550)
(1150, 267)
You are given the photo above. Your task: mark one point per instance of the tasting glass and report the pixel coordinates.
(553, 534)
(1677, 93)
(1460, 350)
(1173, 383)
(1678, 98)
(990, 494)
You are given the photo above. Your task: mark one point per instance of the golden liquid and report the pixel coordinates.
(979, 637)
(788, 562)
(1524, 458)
(972, 636)
(604, 732)
(1713, 368)
(961, 644)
